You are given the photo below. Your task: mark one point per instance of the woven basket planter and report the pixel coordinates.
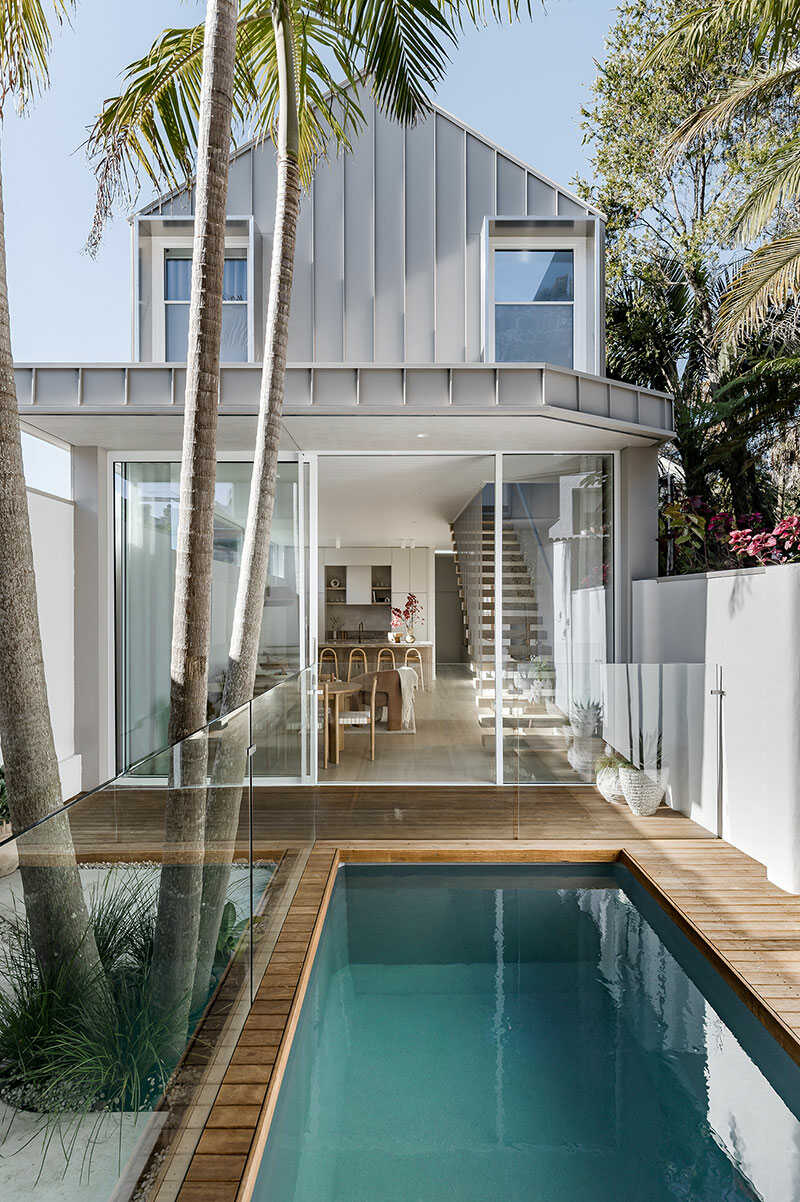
(608, 785)
(642, 793)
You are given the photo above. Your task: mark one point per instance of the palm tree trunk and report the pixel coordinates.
(223, 810)
(180, 891)
(54, 902)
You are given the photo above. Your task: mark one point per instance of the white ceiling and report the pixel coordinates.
(384, 500)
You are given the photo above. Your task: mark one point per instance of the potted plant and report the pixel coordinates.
(607, 775)
(585, 718)
(9, 853)
(644, 787)
(543, 675)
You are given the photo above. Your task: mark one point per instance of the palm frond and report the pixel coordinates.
(777, 183)
(404, 46)
(26, 36)
(769, 280)
(771, 27)
(148, 133)
(747, 96)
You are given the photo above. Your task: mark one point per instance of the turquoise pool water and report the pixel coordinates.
(516, 1033)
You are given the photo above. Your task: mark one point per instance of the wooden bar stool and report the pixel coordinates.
(328, 653)
(387, 651)
(414, 660)
(354, 656)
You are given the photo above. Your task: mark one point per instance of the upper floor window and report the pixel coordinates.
(534, 306)
(177, 289)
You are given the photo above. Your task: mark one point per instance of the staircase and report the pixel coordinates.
(540, 743)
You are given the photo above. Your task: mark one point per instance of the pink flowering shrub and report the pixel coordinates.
(781, 545)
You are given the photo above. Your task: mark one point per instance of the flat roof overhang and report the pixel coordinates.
(350, 407)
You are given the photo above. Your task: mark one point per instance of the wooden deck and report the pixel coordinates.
(128, 822)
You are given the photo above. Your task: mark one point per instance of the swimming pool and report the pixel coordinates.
(494, 1034)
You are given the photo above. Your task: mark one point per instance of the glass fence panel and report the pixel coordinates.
(633, 741)
(131, 925)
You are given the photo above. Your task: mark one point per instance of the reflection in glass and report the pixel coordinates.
(557, 610)
(129, 933)
(146, 503)
(534, 334)
(533, 275)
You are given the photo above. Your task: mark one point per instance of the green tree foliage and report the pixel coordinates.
(672, 247)
(766, 34)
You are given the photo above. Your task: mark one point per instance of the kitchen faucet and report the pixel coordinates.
(360, 631)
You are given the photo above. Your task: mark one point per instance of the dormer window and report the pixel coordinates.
(177, 289)
(540, 288)
(163, 283)
(534, 302)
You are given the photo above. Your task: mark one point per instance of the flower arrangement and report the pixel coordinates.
(407, 616)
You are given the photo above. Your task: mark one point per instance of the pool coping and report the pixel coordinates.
(231, 1126)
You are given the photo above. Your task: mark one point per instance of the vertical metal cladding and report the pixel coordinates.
(388, 263)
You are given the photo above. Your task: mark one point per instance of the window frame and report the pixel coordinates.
(161, 245)
(580, 316)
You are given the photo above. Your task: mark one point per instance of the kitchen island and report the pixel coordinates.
(343, 647)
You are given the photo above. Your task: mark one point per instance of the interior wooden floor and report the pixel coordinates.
(447, 745)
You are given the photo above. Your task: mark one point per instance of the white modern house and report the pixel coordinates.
(448, 431)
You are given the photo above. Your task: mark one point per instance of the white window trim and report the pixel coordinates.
(582, 356)
(181, 242)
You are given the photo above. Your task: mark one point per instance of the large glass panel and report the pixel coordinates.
(534, 334)
(557, 606)
(146, 497)
(533, 275)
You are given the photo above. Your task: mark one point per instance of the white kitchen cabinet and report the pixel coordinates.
(359, 584)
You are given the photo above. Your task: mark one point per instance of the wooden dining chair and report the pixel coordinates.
(363, 718)
(353, 658)
(414, 660)
(389, 654)
(328, 653)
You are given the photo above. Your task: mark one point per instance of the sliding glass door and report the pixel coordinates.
(557, 606)
(146, 518)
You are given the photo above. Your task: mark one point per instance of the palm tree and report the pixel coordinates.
(181, 882)
(283, 84)
(768, 32)
(54, 901)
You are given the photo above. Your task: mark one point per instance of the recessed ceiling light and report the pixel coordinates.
(422, 436)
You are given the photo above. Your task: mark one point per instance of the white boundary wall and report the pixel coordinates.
(53, 537)
(748, 622)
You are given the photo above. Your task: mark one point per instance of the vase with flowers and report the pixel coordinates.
(407, 617)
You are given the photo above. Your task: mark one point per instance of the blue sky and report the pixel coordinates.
(523, 87)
